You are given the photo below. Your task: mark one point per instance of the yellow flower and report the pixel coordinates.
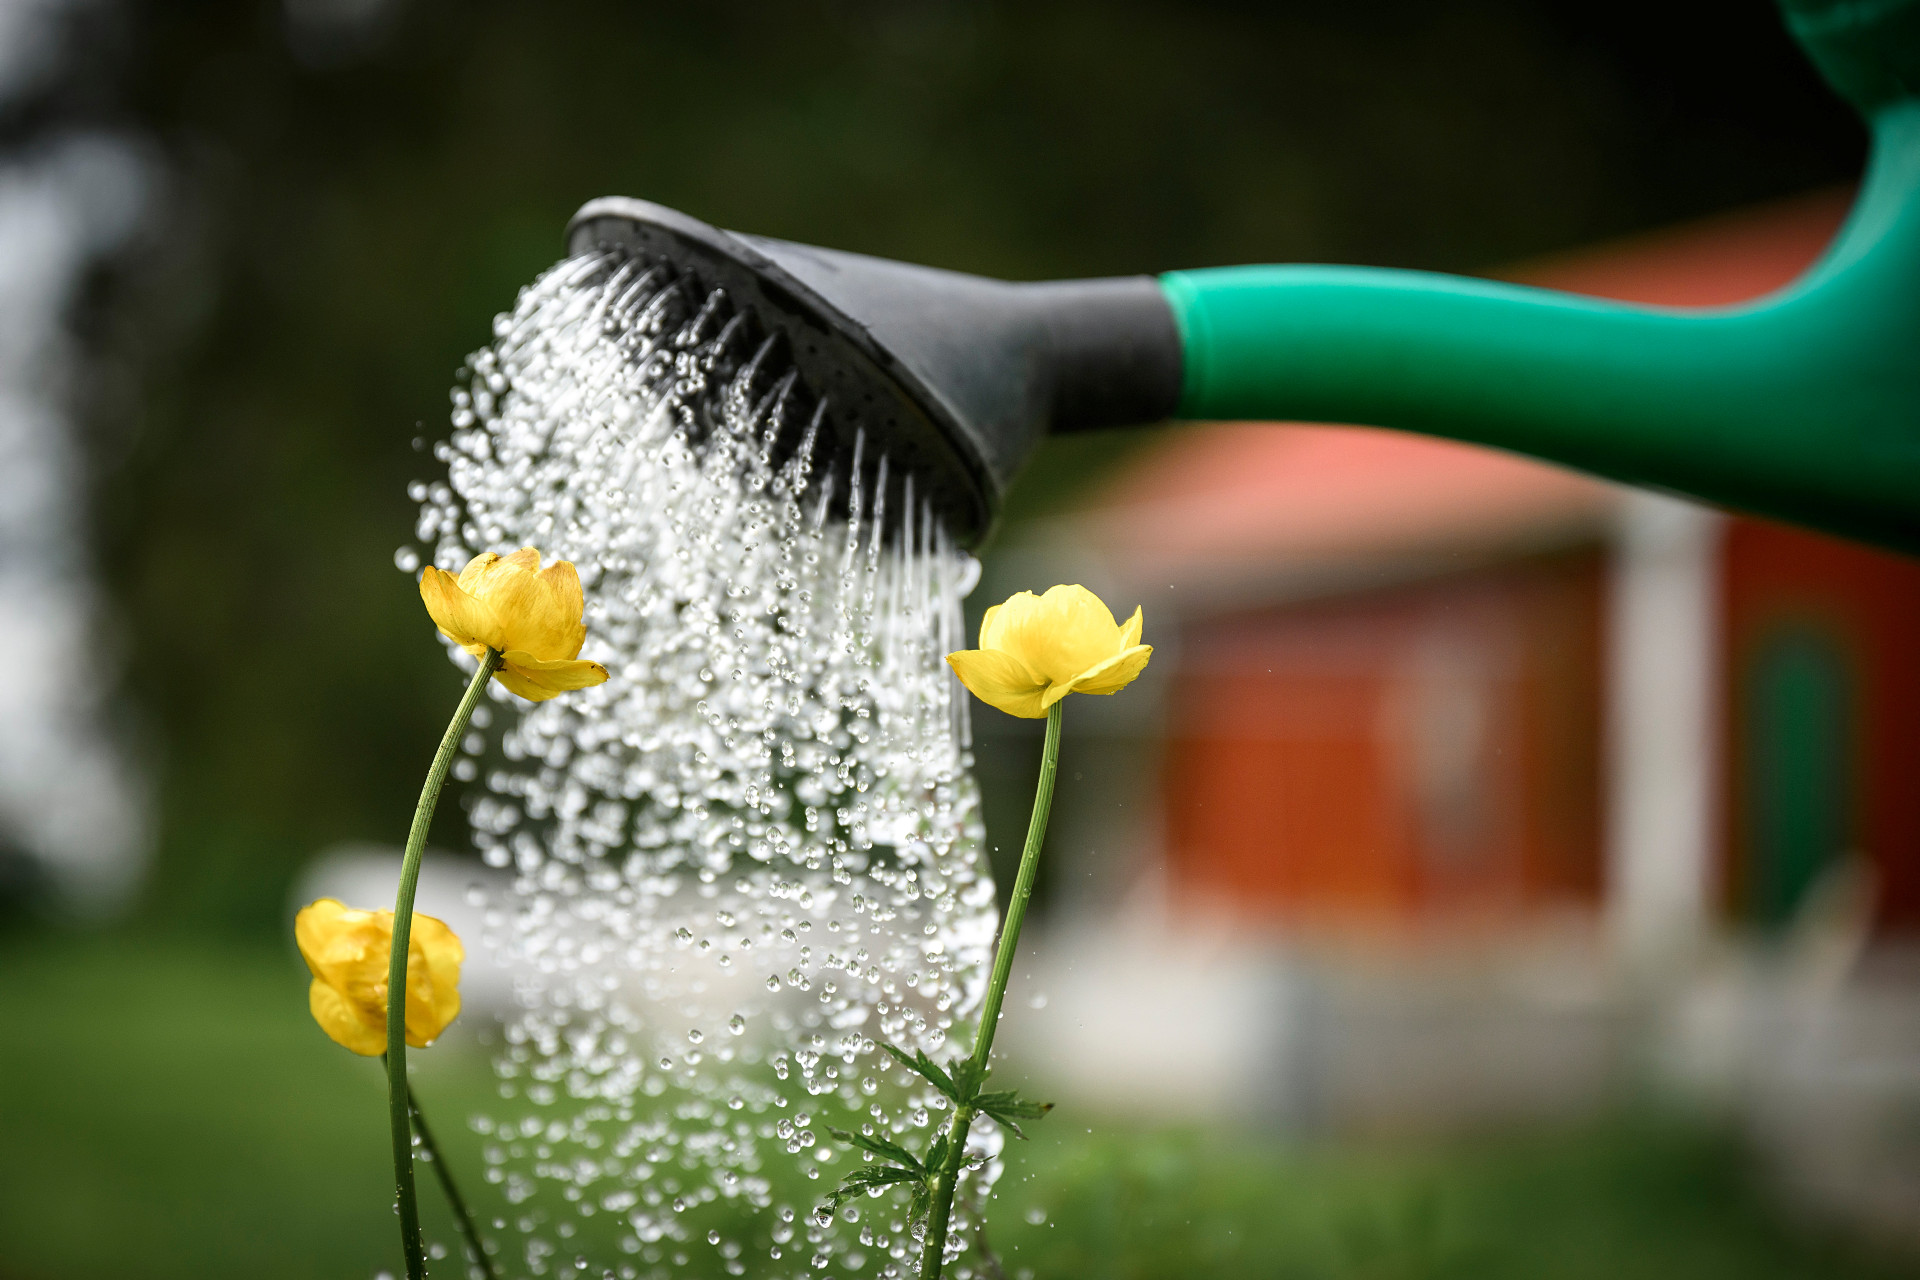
(531, 615)
(348, 951)
(1035, 650)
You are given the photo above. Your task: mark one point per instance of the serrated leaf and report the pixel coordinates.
(936, 1154)
(1009, 1108)
(1008, 1125)
(882, 1147)
(1012, 1104)
(921, 1065)
(866, 1178)
(922, 1200)
(880, 1175)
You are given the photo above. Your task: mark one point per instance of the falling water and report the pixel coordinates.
(755, 851)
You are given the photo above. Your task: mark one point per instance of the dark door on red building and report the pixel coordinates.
(1800, 716)
(1823, 671)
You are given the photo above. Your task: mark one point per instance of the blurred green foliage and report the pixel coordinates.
(169, 1110)
(344, 216)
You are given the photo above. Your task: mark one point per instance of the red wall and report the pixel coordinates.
(1423, 750)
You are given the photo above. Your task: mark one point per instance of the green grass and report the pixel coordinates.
(171, 1111)
(1633, 1200)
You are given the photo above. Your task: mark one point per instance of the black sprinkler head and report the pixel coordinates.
(955, 377)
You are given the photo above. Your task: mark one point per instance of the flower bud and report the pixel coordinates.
(1035, 650)
(348, 951)
(531, 615)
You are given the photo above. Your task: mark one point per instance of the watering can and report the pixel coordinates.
(1803, 405)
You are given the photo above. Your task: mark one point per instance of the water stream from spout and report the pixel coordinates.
(753, 852)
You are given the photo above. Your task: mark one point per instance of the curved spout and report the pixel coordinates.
(1803, 405)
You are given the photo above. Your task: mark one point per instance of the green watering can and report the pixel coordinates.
(1804, 405)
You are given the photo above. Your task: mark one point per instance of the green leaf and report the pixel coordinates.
(922, 1201)
(882, 1147)
(920, 1064)
(1008, 1108)
(1008, 1124)
(867, 1177)
(1013, 1104)
(936, 1154)
(878, 1175)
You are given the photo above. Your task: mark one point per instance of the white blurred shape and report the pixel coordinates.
(1131, 1008)
(1661, 727)
(69, 795)
(31, 38)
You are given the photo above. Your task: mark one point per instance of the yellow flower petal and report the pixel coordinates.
(536, 681)
(1059, 635)
(334, 939)
(471, 576)
(1130, 634)
(343, 1023)
(538, 611)
(346, 951)
(1116, 673)
(993, 622)
(439, 943)
(434, 954)
(1001, 680)
(566, 604)
(442, 952)
(460, 617)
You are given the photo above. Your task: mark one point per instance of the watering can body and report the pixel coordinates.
(1803, 405)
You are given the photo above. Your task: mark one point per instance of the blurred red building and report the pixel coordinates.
(1419, 679)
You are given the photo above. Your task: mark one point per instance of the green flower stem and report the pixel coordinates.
(947, 1178)
(445, 1173)
(397, 1107)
